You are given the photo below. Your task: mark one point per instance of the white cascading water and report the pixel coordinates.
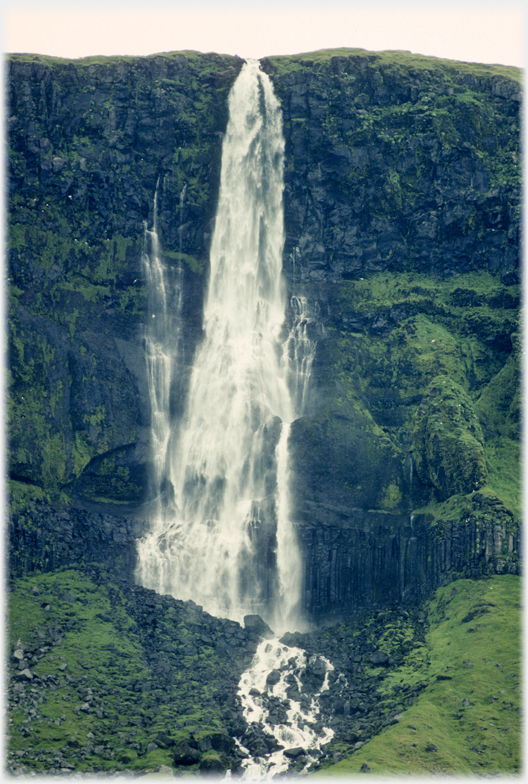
(164, 307)
(300, 731)
(221, 533)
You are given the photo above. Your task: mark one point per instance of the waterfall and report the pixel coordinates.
(299, 349)
(221, 533)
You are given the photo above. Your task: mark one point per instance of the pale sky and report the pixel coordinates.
(485, 31)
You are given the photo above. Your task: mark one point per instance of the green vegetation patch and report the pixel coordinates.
(448, 441)
(467, 720)
(395, 58)
(401, 330)
(393, 335)
(108, 678)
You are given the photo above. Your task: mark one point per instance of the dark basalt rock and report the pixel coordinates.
(184, 754)
(273, 677)
(254, 623)
(293, 753)
(46, 538)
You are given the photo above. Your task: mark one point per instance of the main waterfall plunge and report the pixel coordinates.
(221, 534)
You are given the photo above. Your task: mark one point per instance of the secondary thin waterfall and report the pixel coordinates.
(164, 307)
(222, 534)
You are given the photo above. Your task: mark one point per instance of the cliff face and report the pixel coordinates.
(402, 217)
(402, 211)
(90, 141)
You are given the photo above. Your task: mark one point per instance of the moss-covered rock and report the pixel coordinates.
(447, 440)
(123, 679)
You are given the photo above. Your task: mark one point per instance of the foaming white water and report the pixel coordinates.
(222, 534)
(259, 692)
(299, 350)
(289, 563)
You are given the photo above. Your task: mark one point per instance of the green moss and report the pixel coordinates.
(447, 440)
(96, 418)
(21, 494)
(90, 292)
(195, 265)
(432, 334)
(392, 497)
(82, 453)
(499, 405)
(503, 457)
(473, 650)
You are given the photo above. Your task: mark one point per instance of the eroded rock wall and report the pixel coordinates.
(90, 143)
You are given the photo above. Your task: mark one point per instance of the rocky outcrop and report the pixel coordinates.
(402, 211)
(374, 561)
(44, 538)
(398, 163)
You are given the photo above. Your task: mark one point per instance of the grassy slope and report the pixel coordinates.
(91, 647)
(91, 650)
(474, 653)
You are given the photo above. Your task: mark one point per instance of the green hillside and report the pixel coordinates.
(468, 719)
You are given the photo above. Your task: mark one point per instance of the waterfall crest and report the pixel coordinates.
(222, 534)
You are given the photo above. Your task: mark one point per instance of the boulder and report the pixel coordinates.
(212, 765)
(185, 755)
(254, 623)
(219, 741)
(273, 677)
(379, 659)
(294, 752)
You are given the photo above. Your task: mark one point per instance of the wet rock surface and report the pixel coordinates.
(357, 704)
(43, 537)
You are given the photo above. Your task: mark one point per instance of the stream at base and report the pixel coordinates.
(280, 695)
